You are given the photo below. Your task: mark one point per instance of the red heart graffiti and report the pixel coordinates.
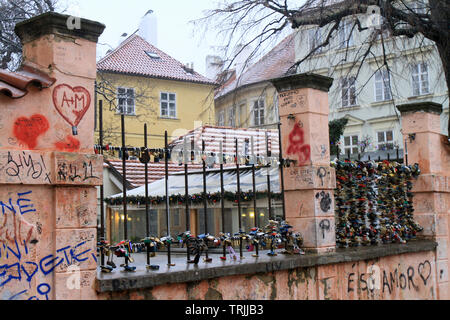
(27, 130)
(69, 145)
(71, 103)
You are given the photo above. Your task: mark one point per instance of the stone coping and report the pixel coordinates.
(183, 272)
(426, 106)
(56, 23)
(302, 80)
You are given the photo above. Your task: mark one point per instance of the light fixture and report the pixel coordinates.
(252, 214)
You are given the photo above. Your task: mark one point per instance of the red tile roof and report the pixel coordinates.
(135, 170)
(15, 84)
(274, 64)
(214, 134)
(132, 57)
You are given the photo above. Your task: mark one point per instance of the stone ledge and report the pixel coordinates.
(56, 23)
(119, 281)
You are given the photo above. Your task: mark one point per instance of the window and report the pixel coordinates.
(315, 40)
(125, 97)
(386, 140)
(258, 112)
(168, 105)
(346, 34)
(420, 79)
(232, 117)
(176, 218)
(242, 115)
(382, 86)
(351, 143)
(152, 55)
(221, 118)
(348, 91)
(276, 108)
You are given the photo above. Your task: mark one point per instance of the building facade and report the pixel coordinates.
(149, 86)
(247, 99)
(366, 90)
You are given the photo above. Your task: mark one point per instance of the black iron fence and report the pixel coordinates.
(269, 235)
(358, 220)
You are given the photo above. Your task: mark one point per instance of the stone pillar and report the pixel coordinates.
(421, 131)
(309, 180)
(48, 169)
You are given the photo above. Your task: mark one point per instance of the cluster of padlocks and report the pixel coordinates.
(274, 236)
(374, 203)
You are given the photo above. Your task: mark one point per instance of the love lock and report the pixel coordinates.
(107, 269)
(129, 268)
(153, 267)
(120, 253)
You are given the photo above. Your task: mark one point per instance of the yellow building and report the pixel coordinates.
(150, 87)
(248, 99)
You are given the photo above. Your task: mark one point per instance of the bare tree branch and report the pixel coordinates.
(428, 19)
(11, 13)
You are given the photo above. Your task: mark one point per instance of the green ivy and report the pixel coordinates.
(337, 128)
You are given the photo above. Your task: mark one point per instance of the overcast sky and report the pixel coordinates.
(176, 36)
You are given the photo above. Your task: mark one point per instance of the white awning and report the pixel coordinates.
(195, 183)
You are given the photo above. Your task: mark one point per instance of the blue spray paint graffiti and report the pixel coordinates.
(18, 205)
(27, 270)
(13, 226)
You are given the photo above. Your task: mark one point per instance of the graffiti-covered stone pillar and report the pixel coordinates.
(309, 180)
(48, 169)
(426, 147)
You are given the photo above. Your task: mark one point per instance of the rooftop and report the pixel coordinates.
(213, 135)
(274, 64)
(135, 56)
(15, 84)
(135, 171)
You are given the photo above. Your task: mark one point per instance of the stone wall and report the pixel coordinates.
(398, 277)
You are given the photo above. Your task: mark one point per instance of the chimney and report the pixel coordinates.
(122, 38)
(214, 65)
(148, 28)
(243, 59)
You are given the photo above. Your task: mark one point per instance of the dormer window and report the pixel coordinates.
(152, 55)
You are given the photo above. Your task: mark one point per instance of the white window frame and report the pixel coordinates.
(259, 120)
(351, 146)
(232, 117)
(315, 39)
(276, 108)
(348, 92)
(128, 109)
(243, 114)
(345, 38)
(168, 101)
(420, 79)
(221, 118)
(383, 144)
(382, 86)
